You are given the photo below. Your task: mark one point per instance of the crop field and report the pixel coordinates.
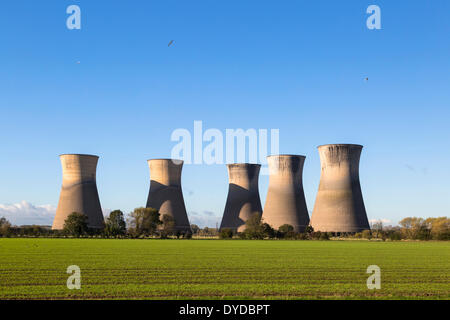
(222, 269)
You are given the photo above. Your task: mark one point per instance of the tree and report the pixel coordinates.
(415, 228)
(144, 221)
(195, 228)
(115, 224)
(377, 229)
(285, 228)
(226, 233)
(268, 231)
(76, 224)
(366, 234)
(168, 226)
(5, 227)
(439, 228)
(324, 236)
(286, 231)
(253, 228)
(309, 229)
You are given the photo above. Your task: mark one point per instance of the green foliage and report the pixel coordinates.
(195, 228)
(415, 228)
(286, 231)
(5, 226)
(76, 224)
(439, 228)
(366, 234)
(324, 236)
(285, 228)
(253, 228)
(144, 222)
(394, 235)
(168, 226)
(309, 229)
(268, 231)
(226, 233)
(115, 224)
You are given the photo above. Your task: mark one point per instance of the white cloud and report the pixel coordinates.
(25, 213)
(207, 219)
(384, 221)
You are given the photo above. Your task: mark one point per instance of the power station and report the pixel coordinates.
(339, 203)
(79, 190)
(243, 196)
(285, 201)
(165, 193)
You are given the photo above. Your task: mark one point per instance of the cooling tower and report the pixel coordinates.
(165, 191)
(79, 190)
(339, 203)
(285, 201)
(243, 196)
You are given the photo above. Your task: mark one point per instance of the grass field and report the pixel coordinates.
(217, 269)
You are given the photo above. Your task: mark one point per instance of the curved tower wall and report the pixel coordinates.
(165, 193)
(79, 190)
(285, 201)
(339, 203)
(243, 196)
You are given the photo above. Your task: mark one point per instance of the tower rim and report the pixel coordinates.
(340, 145)
(287, 156)
(79, 154)
(165, 159)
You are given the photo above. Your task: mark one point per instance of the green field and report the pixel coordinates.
(220, 269)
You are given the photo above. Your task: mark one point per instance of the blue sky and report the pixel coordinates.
(296, 66)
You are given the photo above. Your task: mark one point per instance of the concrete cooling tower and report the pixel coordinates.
(243, 196)
(285, 201)
(79, 190)
(165, 191)
(339, 203)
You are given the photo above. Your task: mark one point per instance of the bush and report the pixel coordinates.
(115, 224)
(324, 236)
(226, 234)
(168, 227)
(5, 227)
(366, 234)
(395, 235)
(286, 231)
(302, 236)
(144, 222)
(268, 231)
(76, 224)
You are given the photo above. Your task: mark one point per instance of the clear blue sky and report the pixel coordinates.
(296, 66)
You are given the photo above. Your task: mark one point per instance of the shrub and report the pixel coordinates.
(76, 224)
(324, 236)
(286, 231)
(115, 224)
(144, 222)
(366, 234)
(226, 233)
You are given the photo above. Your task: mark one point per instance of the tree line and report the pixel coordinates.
(411, 228)
(142, 223)
(148, 223)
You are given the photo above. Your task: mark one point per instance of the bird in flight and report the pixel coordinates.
(367, 79)
(170, 43)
